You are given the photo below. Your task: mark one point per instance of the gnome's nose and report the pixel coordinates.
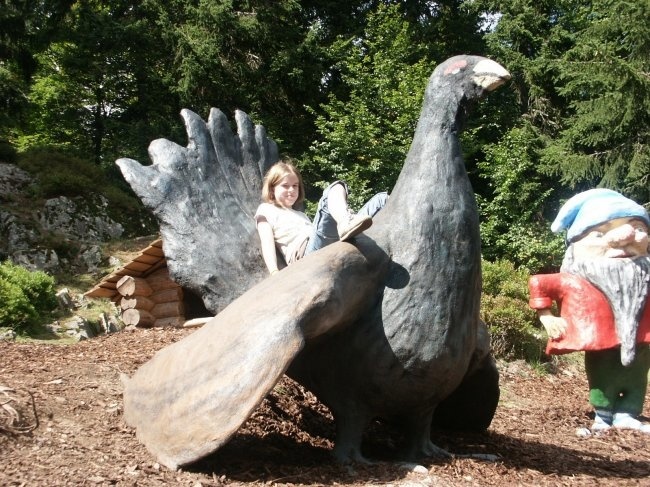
(620, 236)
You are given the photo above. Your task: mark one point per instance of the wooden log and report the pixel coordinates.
(138, 317)
(165, 310)
(133, 286)
(196, 322)
(160, 280)
(137, 302)
(169, 321)
(167, 295)
(100, 292)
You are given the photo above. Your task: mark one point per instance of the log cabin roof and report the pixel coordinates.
(147, 261)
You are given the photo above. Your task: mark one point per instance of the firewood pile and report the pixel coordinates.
(154, 300)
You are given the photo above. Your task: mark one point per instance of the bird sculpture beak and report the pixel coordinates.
(489, 74)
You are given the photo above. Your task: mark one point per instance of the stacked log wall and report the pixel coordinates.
(153, 300)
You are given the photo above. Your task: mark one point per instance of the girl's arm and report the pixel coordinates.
(268, 244)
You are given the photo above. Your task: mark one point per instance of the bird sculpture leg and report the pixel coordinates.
(350, 426)
(418, 444)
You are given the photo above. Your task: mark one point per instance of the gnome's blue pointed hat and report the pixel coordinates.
(594, 207)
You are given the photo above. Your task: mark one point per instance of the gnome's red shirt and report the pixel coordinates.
(590, 321)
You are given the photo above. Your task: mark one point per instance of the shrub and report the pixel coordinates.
(513, 326)
(61, 174)
(16, 311)
(25, 296)
(7, 152)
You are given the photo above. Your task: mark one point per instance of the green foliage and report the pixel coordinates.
(580, 73)
(7, 152)
(60, 174)
(265, 58)
(514, 218)
(366, 133)
(604, 136)
(25, 297)
(24, 27)
(93, 93)
(511, 322)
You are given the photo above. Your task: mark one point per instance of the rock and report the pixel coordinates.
(79, 219)
(108, 324)
(45, 260)
(91, 258)
(12, 180)
(7, 335)
(14, 235)
(61, 236)
(65, 300)
(79, 328)
(54, 327)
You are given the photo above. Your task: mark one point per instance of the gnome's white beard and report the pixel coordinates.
(625, 283)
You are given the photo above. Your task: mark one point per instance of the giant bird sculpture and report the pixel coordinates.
(386, 326)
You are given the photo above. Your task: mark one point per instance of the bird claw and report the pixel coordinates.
(347, 455)
(427, 449)
(432, 451)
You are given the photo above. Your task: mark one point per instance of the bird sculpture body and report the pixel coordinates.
(413, 348)
(386, 326)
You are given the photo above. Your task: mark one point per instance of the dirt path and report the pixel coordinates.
(81, 438)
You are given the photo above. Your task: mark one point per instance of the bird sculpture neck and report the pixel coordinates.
(433, 195)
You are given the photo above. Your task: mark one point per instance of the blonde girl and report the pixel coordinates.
(283, 226)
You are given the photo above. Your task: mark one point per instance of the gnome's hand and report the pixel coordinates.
(555, 326)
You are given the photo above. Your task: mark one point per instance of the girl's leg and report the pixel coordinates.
(374, 204)
(325, 230)
(337, 202)
(333, 220)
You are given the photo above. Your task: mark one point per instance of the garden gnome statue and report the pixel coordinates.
(602, 294)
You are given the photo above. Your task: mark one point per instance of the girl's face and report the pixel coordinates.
(286, 191)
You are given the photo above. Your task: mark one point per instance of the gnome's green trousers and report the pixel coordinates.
(614, 387)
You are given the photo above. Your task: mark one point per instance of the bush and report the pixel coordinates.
(513, 326)
(7, 152)
(61, 174)
(25, 297)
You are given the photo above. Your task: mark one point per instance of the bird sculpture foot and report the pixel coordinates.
(427, 449)
(432, 451)
(347, 454)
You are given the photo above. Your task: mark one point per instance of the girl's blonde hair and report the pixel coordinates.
(273, 176)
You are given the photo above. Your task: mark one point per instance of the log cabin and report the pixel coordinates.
(145, 294)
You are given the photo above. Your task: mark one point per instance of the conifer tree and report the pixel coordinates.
(604, 136)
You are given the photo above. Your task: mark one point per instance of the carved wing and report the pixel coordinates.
(193, 395)
(204, 197)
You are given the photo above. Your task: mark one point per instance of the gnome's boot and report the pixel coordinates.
(602, 420)
(627, 421)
